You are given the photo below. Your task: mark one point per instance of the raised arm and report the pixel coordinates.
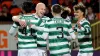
(17, 19)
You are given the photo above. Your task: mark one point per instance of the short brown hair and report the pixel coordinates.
(56, 8)
(81, 8)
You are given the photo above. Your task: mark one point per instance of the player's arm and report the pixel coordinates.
(13, 29)
(17, 20)
(84, 27)
(44, 29)
(38, 28)
(72, 34)
(45, 34)
(71, 31)
(16, 36)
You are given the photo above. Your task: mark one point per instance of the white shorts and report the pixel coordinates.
(85, 54)
(28, 52)
(42, 51)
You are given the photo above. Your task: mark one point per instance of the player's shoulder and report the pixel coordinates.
(16, 16)
(46, 18)
(67, 20)
(85, 21)
(33, 15)
(49, 20)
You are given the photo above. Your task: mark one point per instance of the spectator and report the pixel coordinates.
(96, 6)
(86, 3)
(61, 2)
(90, 15)
(19, 2)
(4, 14)
(45, 2)
(35, 2)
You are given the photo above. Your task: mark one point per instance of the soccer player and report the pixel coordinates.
(27, 45)
(40, 11)
(83, 29)
(41, 43)
(58, 32)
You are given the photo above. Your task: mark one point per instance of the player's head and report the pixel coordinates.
(79, 11)
(27, 7)
(56, 9)
(40, 9)
(66, 12)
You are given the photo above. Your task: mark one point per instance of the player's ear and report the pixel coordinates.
(23, 11)
(35, 8)
(61, 11)
(52, 12)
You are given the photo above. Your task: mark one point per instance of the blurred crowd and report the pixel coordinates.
(9, 8)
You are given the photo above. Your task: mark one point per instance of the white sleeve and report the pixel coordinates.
(72, 34)
(45, 35)
(13, 29)
(39, 28)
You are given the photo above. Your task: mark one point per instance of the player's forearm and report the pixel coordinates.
(37, 28)
(45, 35)
(16, 19)
(87, 30)
(13, 29)
(73, 36)
(72, 33)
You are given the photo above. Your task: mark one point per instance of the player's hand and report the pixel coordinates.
(22, 23)
(68, 9)
(79, 25)
(73, 27)
(16, 37)
(31, 25)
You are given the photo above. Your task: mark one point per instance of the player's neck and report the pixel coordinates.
(57, 16)
(81, 18)
(28, 13)
(36, 14)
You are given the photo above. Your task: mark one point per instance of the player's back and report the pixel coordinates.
(58, 32)
(26, 36)
(58, 27)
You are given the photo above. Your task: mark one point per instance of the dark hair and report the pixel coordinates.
(91, 8)
(28, 7)
(81, 8)
(56, 8)
(65, 14)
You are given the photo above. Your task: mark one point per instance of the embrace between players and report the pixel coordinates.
(37, 32)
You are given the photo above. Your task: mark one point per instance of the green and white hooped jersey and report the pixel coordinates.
(59, 29)
(84, 36)
(26, 35)
(40, 41)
